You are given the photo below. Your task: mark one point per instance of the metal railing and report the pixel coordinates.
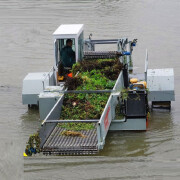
(46, 126)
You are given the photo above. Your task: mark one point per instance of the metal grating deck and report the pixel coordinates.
(100, 54)
(58, 144)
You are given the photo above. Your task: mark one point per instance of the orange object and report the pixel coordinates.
(59, 78)
(70, 75)
(133, 80)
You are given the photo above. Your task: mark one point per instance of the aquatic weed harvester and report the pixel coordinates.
(99, 94)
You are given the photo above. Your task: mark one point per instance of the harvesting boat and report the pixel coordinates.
(98, 94)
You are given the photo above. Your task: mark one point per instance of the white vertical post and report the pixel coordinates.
(76, 49)
(146, 65)
(119, 48)
(56, 59)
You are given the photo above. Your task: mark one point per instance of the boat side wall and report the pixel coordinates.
(30, 99)
(161, 96)
(47, 128)
(109, 112)
(131, 124)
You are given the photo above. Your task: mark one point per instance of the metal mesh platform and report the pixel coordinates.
(67, 145)
(101, 54)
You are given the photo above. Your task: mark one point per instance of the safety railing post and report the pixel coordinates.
(146, 65)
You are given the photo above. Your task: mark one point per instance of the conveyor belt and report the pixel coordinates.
(67, 145)
(101, 54)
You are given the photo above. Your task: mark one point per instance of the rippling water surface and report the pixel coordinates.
(26, 45)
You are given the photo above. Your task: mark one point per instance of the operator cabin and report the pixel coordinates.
(68, 47)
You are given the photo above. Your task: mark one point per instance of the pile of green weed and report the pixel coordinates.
(76, 126)
(73, 83)
(91, 75)
(110, 68)
(93, 80)
(83, 106)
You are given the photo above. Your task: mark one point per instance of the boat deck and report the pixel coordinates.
(59, 144)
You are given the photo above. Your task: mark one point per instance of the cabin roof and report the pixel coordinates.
(68, 29)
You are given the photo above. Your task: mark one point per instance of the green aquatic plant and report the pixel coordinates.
(124, 94)
(83, 106)
(118, 113)
(92, 75)
(73, 83)
(89, 65)
(76, 126)
(109, 67)
(33, 144)
(147, 90)
(95, 80)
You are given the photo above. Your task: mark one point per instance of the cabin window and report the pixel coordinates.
(59, 44)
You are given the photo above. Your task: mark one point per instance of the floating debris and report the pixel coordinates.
(73, 133)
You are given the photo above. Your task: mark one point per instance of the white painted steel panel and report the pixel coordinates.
(46, 102)
(160, 79)
(49, 94)
(68, 31)
(55, 88)
(136, 124)
(33, 82)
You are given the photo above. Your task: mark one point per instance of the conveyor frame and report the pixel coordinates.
(102, 125)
